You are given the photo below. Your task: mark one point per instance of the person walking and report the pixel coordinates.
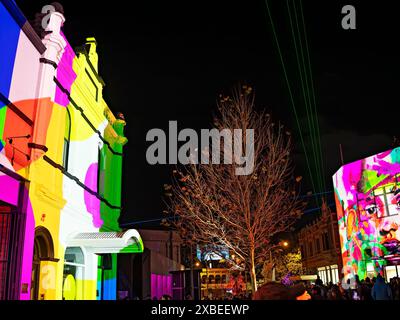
(381, 290)
(366, 290)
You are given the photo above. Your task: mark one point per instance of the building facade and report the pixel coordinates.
(320, 247)
(216, 282)
(60, 167)
(150, 274)
(367, 196)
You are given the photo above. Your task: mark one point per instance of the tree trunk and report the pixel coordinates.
(253, 276)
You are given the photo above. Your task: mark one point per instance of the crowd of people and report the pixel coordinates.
(367, 289)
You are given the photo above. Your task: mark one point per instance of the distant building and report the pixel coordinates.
(148, 274)
(320, 247)
(217, 279)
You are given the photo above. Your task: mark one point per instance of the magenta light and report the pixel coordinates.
(160, 285)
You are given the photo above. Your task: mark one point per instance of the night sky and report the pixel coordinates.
(169, 60)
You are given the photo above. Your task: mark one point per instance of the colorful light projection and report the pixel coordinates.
(34, 109)
(367, 196)
(161, 285)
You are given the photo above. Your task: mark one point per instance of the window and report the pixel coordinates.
(335, 273)
(67, 136)
(322, 274)
(370, 270)
(73, 274)
(381, 202)
(223, 278)
(391, 272)
(311, 249)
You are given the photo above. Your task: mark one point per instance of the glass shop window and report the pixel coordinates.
(322, 274)
(73, 276)
(328, 273)
(390, 272)
(370, 270)
(335, 273)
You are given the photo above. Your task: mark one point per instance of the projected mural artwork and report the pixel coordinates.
(367, 196)
(61, 154)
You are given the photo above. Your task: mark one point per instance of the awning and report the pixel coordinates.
(128, 241)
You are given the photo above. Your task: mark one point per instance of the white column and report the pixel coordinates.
(55, 45)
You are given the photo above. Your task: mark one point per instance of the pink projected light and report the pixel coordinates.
(160, 285)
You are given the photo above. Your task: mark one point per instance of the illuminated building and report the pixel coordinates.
(320, 248)
(367, 195)
(60, 167)
(215, 281)
(216, 277)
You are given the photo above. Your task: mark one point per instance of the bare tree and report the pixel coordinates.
(215, 206)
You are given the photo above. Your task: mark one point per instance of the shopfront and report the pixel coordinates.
(329, 274)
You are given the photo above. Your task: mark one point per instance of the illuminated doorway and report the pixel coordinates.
(43, 251)
(73, 276)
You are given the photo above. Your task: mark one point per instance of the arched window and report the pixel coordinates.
(74, 255)
(67, 136)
